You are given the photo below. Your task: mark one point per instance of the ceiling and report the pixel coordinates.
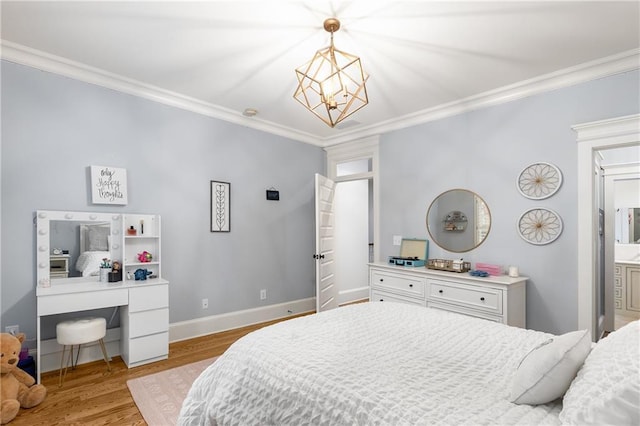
(220, 57)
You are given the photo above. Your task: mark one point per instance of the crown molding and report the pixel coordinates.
(627, 127)
(604, 67)
(23, 55)
(615, 64)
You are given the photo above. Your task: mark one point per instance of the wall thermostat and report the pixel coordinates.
(273, 195)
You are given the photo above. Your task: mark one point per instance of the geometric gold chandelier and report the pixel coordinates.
(332, 84)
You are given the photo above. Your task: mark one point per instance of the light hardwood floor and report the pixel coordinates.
(91, 395)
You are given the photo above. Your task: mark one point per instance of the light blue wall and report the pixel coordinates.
(54, 127)
(484, 151)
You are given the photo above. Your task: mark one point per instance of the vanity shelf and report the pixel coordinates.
(147, 239)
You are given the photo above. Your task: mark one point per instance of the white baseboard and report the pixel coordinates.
(51, 351)
(353, 295)
(216, 323)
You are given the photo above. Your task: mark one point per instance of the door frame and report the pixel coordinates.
(367, 148)
(592, 137)
(612, 174)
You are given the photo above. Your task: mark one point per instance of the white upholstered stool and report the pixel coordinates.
(79, 332)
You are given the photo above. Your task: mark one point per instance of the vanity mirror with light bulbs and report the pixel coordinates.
(71, 246)
(65, 241)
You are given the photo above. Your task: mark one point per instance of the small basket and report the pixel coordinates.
(448, 265)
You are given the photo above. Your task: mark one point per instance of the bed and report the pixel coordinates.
(398, 364)
(94, 247)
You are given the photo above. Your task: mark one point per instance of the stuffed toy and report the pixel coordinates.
(144, 257)
(17, 388)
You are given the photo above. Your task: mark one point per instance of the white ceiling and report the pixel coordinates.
(220, 57)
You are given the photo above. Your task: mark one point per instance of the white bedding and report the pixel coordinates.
(89, 262)
(370, 363)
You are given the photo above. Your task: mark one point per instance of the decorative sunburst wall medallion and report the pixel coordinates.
(538, 181)
(540, 226)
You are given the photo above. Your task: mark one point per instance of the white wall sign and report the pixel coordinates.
(108, 185)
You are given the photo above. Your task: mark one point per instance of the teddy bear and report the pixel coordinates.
(17, 388)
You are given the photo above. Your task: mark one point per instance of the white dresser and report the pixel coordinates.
(501, 299)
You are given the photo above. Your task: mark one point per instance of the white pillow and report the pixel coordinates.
(98, 238)
(545, 373)
(607, 388)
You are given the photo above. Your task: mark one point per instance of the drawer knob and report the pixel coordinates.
(440, 291)
(382, 300)
(482, 298)
(410, 285)
(381, 280)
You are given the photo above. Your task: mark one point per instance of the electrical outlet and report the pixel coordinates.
(205, 303)
(397, 240)
(263, 294)
(12, 329)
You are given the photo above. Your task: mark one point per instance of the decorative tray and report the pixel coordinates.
(448, 265)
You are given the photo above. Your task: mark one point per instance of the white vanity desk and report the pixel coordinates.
(144, 304)
(144, 313)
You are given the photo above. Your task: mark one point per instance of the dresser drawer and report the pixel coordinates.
(406, 285)
(468, 312)
(477, 298)
(380, 296)
(617, 281)
(617, 292)
(148, 297)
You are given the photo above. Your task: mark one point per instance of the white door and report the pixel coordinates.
(326, 290)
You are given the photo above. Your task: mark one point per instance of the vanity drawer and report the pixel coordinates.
(62, 303)
(477, 298)
(380, 296)
(148, 322)
(407, 285)
(148, 347)
(148, 297)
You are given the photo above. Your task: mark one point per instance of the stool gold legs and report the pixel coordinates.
(74, 365)
(69, 361)
(104, 354)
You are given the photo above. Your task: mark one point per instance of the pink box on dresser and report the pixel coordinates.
(491, 269)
